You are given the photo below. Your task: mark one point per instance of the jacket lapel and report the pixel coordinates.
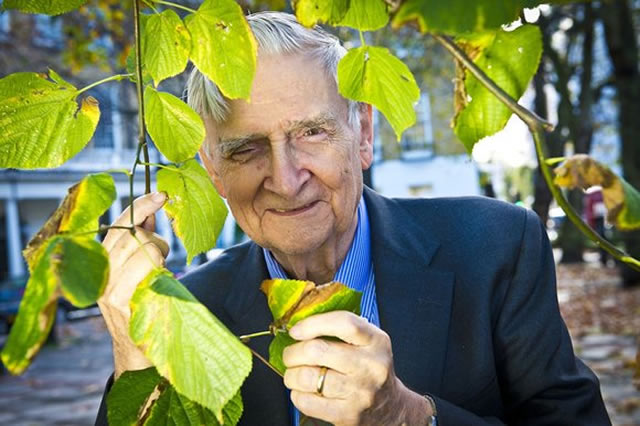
(414, 299)
(266, 400)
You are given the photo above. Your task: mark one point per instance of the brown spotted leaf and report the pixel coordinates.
(620, 198)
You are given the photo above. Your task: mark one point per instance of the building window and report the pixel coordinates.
(48, 32)
(417, 141)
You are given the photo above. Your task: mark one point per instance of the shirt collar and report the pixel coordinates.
(355, 269)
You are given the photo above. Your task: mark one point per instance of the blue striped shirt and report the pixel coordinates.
(356, 272)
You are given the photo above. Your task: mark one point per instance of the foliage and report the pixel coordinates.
(63, 260)
(621, 199)
(197, 211)
(188, 346)
(291, 301)
(28, 102)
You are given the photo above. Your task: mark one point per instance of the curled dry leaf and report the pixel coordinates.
(620, 198)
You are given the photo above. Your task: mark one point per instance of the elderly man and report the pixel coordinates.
(461, 323)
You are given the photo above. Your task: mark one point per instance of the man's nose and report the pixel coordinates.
(287, 176)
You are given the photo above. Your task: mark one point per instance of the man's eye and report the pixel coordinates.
(242, 153)
(315, 131)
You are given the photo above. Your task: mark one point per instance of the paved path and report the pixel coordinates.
(64, 384)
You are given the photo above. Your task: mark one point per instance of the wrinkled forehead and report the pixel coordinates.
(286, 89)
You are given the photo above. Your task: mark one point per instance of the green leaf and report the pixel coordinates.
(311, 12)
(276, 347)
(175, 409)
(176, 129)
(620, 198)
(510, 59)
(190, 347)
(40, 121)
(283, 295)
(373, 75)
(167, 45)
(129, 394)
(80, 268)
(291, 301)
(35, 316)
(224, 48)
(79, 212)
(329, 297)
(194, 206)
(366, 15)
(47, 7)
(458, 16)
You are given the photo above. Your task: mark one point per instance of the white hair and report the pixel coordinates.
(280, 34)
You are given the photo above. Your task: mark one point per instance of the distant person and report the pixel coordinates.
(461, 323)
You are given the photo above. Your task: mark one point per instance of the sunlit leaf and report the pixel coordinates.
(620, 198)
(224, 48)
(167, 44)
(311, 12)
(195, 208)
(47, 7)
(129, 394)
(79, 268)
(82, 267)
(458, 16)
(291, 301)
(41, 123)
(176, 129)
(366, 15)
(189, 347)
(276, 347)
(79, 211)
(510, 59)
(283, 295)
(171, 408)
(373, 75)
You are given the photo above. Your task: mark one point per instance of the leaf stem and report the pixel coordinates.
(158, 165)
(245, 338)
(116, 77)
(362, 42)
(264, 361)
(124, 171)
(177, 6)
(538, 128)
(532, 120)
(148, 3)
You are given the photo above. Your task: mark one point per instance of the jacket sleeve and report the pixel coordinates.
(541, 381)
(101, 419)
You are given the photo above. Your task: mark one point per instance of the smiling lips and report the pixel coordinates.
(294, 211)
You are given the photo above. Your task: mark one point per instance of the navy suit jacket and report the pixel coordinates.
(466, 290)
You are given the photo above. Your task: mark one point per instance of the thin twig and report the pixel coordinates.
(101, 230)
(116, 77)
(261, 358)
(245, 338)
(177, 6)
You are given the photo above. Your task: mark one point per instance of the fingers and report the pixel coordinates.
(330, 410)
(126, 245)
(344, 325)
(143, 207)
(335, 355)
(305, 379)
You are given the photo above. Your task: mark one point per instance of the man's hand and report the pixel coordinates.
(130, 260)
(360, 386)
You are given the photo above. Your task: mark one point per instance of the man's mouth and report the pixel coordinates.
(295, 210)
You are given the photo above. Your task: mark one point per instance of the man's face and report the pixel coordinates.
(288, 163)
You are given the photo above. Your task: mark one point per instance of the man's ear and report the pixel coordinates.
(366, 135)
(208, 165)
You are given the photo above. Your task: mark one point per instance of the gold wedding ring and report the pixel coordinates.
(321, 378)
